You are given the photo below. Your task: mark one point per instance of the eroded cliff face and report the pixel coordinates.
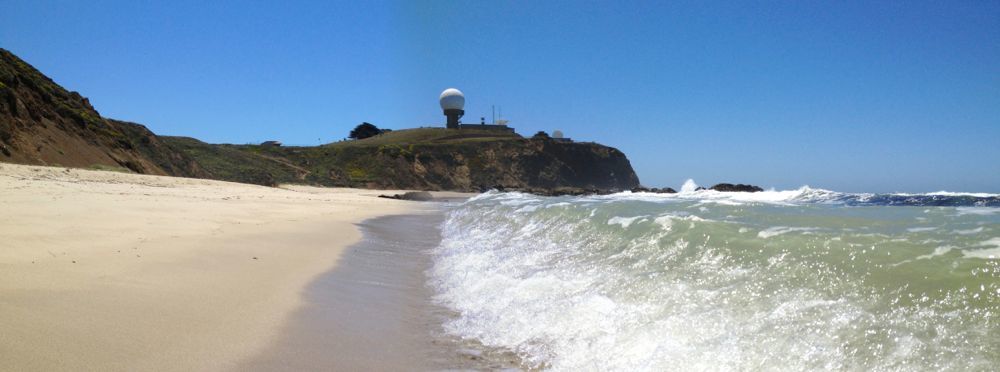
(539, 166)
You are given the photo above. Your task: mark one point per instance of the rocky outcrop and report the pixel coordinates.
(509, 164)
(411, 195)
(665, 190)
(535, 166)
(728, 187)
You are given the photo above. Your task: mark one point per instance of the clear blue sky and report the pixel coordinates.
(850, 96)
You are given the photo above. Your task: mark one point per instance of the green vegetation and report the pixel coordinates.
(240, 163)
(357, 174)
(93, 119)
(429, 136)
(364, 130)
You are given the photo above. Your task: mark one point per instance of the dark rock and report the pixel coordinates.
(499, 188)
(665, 190)
(418, 196)
(411, 195)
(728, 187)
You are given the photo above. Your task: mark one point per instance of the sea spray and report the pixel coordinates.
(780, 280)
(689, 186)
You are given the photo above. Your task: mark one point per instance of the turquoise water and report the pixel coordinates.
(791, 280)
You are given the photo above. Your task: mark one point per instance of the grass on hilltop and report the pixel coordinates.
(355, 163)
(419, 136)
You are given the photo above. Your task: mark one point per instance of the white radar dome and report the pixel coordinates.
(452, 99)
(557, 134)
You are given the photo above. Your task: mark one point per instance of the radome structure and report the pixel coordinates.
(453, 103)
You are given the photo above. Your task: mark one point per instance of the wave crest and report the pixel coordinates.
(809, 195)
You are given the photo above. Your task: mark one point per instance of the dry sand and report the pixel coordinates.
(112, 271)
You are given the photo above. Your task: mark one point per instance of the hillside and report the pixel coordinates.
(430, 136)
(42, 123)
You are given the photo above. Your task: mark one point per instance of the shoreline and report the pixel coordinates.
(391, 321)
(371, 311)
(115, 271)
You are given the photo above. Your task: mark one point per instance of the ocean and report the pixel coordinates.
(803, 279)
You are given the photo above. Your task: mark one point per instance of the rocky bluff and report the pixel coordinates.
(425, 159)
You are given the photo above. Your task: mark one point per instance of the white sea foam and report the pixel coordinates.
(989, 253)
(779, 230)
(802, 195)
(969, 231)
(566, 292)
(689, 186)
(980, 211)
(951, 193)
(939, 251)
(624, 221)
(527, 208)
(666, 221)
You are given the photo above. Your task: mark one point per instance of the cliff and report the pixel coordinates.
(42, 123)
(425, 159)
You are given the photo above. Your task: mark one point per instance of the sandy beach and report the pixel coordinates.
(114, 271)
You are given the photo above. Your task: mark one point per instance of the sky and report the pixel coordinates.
(895, 96)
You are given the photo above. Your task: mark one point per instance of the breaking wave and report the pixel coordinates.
(701, 280)
(806, 194)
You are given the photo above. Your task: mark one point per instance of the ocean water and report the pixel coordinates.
(802, 279)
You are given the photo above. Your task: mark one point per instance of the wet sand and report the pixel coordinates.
(369, 313)
(390, 322)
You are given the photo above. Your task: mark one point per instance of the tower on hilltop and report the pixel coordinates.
(453, 102)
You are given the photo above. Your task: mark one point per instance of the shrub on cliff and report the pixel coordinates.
(364, 130)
